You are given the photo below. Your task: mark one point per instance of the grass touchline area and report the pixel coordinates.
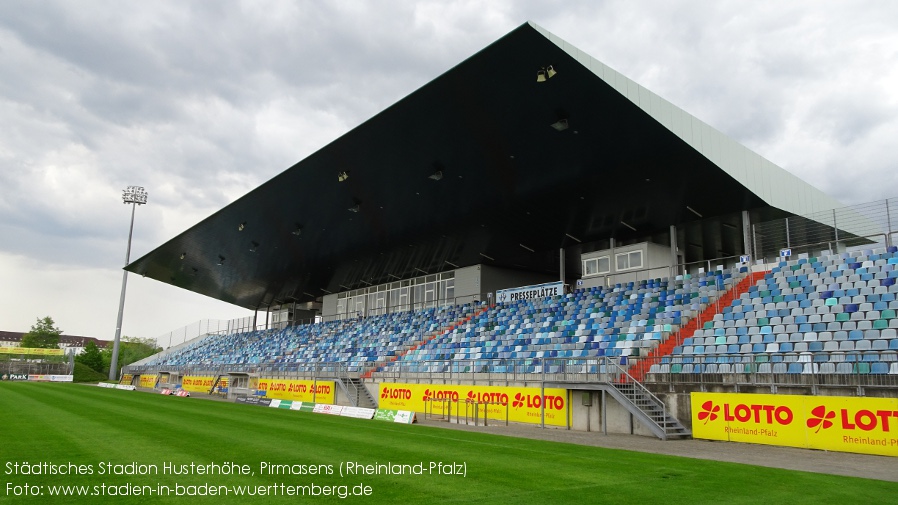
(90, 444)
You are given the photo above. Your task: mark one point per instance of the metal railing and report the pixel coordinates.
(861, 226)
(597, 369)
(328, 370)
(851, 370)
(201, 328)
(35, 367)
(604, 369)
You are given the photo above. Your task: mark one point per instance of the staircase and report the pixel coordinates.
(634, 397)
(357, 393)
(646, 407)
(215, 383)
(641, 367)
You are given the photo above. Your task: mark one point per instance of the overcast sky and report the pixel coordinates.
(200, 102)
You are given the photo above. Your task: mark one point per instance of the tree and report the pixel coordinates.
(44, 334)
(91, 357)
(131, 349)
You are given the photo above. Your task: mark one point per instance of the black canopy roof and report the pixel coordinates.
(467, 169)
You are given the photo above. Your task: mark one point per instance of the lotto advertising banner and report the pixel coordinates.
(197, 383)
(832, 423)
(522, 404)
(147, 380)
(297, 390)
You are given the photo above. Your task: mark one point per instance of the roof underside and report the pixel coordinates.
(509, 181)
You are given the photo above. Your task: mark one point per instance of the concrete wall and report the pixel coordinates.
(470, 282)
(656, 264)
(329, 305)
(467, 281)
(618, 419)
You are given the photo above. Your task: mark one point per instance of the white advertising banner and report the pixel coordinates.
(357, 412)
(323, 408)
(529, 292)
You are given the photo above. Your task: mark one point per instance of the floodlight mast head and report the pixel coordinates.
(134, 194)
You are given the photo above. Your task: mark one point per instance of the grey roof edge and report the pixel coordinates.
(773, 184)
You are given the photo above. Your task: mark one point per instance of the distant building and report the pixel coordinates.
(73, 344)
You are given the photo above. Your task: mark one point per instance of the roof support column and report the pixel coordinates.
(674, 270)
(746, 234)
(613, 263)
(561, 263)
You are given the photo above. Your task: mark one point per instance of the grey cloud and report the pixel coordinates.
(202, 101)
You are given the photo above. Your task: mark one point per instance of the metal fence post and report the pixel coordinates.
(888, 225)
(788, 234)
(836, 231)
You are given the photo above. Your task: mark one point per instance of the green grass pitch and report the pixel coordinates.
(75, 427)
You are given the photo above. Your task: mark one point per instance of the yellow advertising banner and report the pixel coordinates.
(126, 379)
(31, 351)
(148, 380)
(833, 423)
(298, 390)
(197, 383)
(520, 404)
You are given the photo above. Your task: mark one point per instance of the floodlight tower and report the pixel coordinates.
(135, 195)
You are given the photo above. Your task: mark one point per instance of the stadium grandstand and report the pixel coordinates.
(534, 219)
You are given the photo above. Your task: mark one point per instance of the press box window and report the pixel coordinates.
(629, 260)
(596, 266)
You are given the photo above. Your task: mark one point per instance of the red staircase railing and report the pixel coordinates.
(640, 368)
(367, 373)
